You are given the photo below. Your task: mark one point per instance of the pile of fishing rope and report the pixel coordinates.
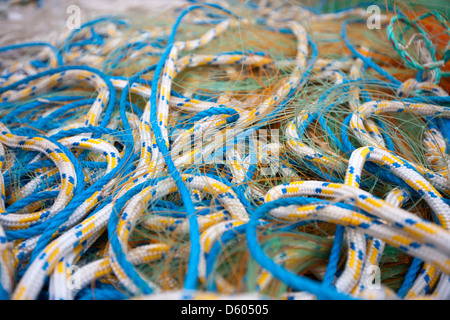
(252, 150)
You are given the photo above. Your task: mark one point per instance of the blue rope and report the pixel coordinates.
(42, 122)
(410, 276)
(101, 292)
(279, 272)
(368, 61)
(234, 115)
(127, 266)
(4, 295)
(35, 44)
(20, 204)
(11, 116)
(112, 90)
(334, 256)
(88, 24)
(194, 256)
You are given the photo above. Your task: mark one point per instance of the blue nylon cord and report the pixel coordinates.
(410, 276)
(35, 44)
(190, 282)
(334, 256)
(279, 272)
(367, 61)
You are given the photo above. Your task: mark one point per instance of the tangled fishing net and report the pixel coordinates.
(251, 149)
